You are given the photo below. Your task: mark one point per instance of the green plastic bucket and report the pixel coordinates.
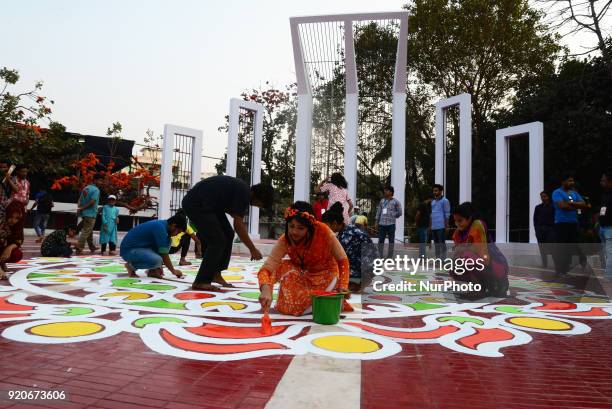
(326, 308)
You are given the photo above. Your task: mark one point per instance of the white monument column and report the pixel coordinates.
(351, 108)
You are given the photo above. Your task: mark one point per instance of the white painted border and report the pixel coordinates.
(165, 183)
(303, 131)
(535, 131)
(232, 150)
(465, 143)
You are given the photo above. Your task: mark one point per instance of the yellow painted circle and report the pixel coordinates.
(540, 323)
(129, 295)
(63, 279)
(233, 277)
(233, 305)
(66, 329)
(346, 344)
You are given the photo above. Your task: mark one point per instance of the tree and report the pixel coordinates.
(22, 139)
(575, 106)
(485, 48)
(574, 16)
(132, 188)
(278, 126)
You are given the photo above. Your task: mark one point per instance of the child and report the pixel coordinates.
(56, 244)
(182, 242)
(108, 231)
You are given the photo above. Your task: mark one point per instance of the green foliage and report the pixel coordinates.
(48, 150)
(575, 105)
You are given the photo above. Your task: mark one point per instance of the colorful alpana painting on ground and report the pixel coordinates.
(52, 300)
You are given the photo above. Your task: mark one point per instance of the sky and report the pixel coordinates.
(146, 63)
(149, 63)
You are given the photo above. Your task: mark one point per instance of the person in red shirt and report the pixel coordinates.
(320, 205)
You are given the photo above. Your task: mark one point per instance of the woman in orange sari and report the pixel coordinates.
(316, 262)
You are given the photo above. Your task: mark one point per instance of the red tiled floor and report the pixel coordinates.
(179, 381)
(550, 372)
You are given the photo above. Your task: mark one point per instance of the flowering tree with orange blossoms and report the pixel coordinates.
(132, 189)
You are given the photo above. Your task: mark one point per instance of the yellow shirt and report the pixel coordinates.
(361, 219)
(175, 241)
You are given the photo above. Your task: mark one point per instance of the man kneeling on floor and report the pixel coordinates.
(147, 245)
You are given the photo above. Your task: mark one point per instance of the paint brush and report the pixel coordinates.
(266, 323)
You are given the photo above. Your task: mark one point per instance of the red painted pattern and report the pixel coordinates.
(430, 334)
(5, 305)
(217, 348)
(484, 335)
(220, 331)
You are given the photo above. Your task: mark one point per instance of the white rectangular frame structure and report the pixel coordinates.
(464, 101)
(232, 150)
(305, 107)
(165, 183)
(535, 132)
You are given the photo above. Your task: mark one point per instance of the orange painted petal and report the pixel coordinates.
(556, 306)
(484, 335)
(5, 305)
(593, 312)
(216, 348)
(428, 334)
(221, 331)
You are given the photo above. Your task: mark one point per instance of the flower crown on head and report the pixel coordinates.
(291, 212)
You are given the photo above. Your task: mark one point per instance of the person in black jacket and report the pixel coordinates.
(544, 222)
(206, 205)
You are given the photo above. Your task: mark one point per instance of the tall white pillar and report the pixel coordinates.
(465, 143)
(303, 136)
(398, 157)
(535, 132)
(351, 109)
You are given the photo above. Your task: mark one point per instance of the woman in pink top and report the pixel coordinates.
(22, 194)
(337, 190)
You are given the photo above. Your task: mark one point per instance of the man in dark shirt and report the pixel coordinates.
(206, 205)
(605, 221)
(544, 222)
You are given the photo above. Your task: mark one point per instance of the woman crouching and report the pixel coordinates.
(316, 262)
(472, 241)
(12, 218)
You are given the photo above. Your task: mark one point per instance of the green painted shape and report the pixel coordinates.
(254, 295)
(160, 304)
(131, 283)
(40, 275)
(156, 320)
(420, 306)
(461, 320)
(73, 311)
(508, 309)
(115, 268)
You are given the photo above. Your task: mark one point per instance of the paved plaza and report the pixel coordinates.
(110, 341)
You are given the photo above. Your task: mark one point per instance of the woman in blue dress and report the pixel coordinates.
(108, 230)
